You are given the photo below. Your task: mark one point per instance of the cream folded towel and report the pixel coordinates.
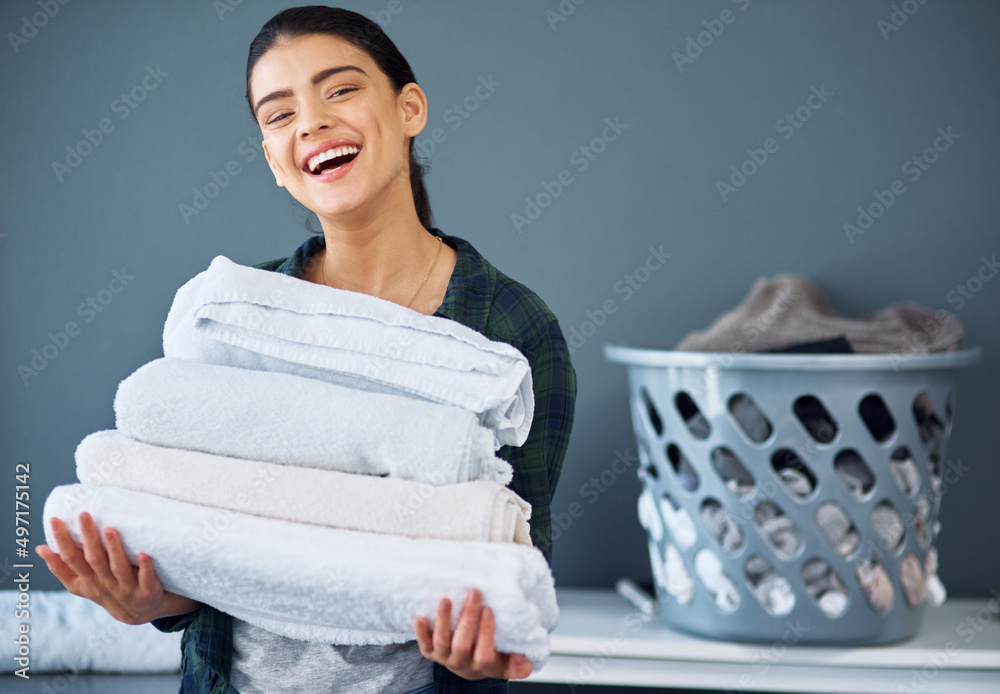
(483, 511)
(320, 584)
(280, 418)
(241, 316)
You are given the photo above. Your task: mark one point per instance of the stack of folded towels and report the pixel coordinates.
(321, 464)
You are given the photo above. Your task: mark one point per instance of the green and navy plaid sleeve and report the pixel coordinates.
(537, 463)
(206, 649)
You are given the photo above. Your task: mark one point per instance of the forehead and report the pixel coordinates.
(293, 61)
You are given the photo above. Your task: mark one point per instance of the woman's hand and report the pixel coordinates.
(130, 595)
(469, 652)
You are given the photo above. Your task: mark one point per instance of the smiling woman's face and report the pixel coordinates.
(336, 134)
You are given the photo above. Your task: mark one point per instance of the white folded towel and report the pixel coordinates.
(241, 316)
(320, 584)
(287, 419)
(483, 511)
(67, 632)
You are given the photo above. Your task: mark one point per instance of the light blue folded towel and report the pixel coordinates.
(281, 418)
(254, 319)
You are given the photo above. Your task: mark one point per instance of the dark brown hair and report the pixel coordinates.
(366, 35)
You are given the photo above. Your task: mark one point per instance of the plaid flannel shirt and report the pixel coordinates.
(484, 299)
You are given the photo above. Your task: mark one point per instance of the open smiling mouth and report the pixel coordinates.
(332, 159)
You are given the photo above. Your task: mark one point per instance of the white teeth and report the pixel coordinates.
(331, 154)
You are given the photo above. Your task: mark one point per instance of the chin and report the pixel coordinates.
(335, 209)
(330, 203)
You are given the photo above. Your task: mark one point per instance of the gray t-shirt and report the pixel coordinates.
(266, 663)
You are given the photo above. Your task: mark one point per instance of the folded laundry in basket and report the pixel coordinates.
(320, 584)
(241, 316)
(875, 584)
(771, 588)
(281, 418)
(483, 511)
(825, 587)
(72, 633)
(787, 310)
(833, 345)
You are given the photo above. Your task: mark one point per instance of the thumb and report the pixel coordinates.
(518, 667)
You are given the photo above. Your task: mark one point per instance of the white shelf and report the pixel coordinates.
(603, 639)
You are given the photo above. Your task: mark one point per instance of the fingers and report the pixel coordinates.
(442, 630)
(468, 624)
(93, 549)
(471, 651)
(485, 653)
(518, 667)
(425, 637)
(105, 575)
(57, 566)
(69, 552)
(148, 582)
(119, 564)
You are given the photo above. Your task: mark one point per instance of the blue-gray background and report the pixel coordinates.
(555, 84)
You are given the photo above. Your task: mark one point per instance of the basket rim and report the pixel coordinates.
(637, 356)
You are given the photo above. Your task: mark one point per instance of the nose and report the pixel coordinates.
(314, 119)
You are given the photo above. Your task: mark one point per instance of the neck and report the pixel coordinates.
(384, 256)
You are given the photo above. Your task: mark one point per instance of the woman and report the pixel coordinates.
(338, 108)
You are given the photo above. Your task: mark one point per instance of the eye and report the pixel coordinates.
(278, 117)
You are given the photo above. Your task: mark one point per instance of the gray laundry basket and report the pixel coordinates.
(792, 498)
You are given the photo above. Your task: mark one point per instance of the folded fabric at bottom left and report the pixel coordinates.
(320, 584)
(66, 632)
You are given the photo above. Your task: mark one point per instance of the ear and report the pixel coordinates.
(267, 155)
(413, 108)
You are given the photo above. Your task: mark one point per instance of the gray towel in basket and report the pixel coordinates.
(786, 310)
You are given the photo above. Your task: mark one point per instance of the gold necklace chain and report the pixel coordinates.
(322, 270)
(429, 271)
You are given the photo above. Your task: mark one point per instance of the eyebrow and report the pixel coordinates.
(316, 79)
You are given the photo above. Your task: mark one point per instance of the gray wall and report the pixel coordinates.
(64, 235)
